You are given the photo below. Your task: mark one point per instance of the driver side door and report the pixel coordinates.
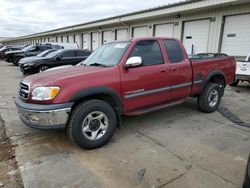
(148, 84)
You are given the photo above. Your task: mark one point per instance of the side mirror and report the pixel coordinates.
(133, 62)
(58, 58)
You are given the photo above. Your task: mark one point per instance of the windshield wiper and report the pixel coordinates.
(98, 64)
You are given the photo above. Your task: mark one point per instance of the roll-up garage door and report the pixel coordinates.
(65, 38)
(164, 30)
(71, 39)
(121, 34)
(195, 36)
(236, 35)
(95, 40)
(77, 39)
(107, 37)
(140, 32)
(86, 41)
(53, 39)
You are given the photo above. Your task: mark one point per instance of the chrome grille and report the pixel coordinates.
(23, 90)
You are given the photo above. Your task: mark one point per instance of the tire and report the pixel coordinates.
(43, 68)
(15, 61)
(235, 83)
(82, 124)
(210, 98)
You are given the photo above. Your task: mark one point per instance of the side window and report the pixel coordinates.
(149, 51)
(38, 48)
(80, 53)
(33, 49)
(68, 54)
(41, 48)
(45, 47)
(86, 53)
(174, 51)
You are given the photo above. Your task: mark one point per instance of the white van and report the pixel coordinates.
(242, 71)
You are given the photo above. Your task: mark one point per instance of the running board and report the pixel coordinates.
(154, 108)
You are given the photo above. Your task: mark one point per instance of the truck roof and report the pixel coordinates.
(143, 38)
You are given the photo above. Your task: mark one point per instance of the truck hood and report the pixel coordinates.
(59, 67)
(54, 77)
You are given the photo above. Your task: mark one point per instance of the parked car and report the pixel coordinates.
(32, 58)
(242, 71)
(54, 59)
(120, 78)
(32, 50)
(7, 49)
(246, 183)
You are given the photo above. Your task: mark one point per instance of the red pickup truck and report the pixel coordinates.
(120, 78)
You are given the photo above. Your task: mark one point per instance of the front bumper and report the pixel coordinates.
(27, 69)
(39, 116)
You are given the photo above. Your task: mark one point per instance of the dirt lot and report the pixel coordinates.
(9, 173)
(174, 147)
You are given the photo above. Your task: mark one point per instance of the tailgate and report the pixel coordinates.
(243, 68)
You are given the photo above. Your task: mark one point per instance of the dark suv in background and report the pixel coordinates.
(32, 50)
(54, 59)
(6, 49)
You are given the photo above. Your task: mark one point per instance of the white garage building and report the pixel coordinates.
(202, 25)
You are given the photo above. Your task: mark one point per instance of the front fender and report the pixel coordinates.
(99, 91)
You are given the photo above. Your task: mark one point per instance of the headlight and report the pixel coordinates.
(45, 93)
(29, 64)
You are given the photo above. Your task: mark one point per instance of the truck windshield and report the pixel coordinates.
(107, 55)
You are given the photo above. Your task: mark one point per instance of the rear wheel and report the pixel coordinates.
(43, 68)
(92, 124)
(210, 98)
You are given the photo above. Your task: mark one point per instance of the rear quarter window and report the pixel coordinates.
(174, 51)
(82, 53)
(68, 54)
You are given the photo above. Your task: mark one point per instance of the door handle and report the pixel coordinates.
(174, 69)
(163, 70)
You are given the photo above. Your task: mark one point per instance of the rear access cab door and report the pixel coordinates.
(180, 69)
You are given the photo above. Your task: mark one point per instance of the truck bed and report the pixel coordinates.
(203, 67)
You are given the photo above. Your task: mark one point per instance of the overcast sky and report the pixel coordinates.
(22, 17)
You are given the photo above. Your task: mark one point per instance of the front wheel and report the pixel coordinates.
(43, 68)
(92, 124)
(210, 98)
